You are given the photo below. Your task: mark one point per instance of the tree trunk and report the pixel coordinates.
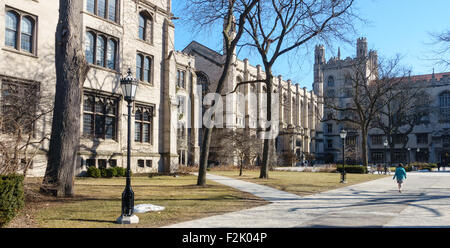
(364, 134)
(71, 72)
(264, 173)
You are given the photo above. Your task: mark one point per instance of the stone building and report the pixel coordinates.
(299, 110)
(428, 142)
(117, 35)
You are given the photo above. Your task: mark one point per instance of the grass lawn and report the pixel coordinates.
(98, 202)
(300, 183)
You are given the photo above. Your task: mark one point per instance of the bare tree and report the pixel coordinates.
(206, 12)
(23, 106)
(237, 143)
(277, 27)
(71, 72)
(370, 83)
(442, 53)
(406, 105)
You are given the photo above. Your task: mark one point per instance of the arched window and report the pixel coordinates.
(101, 44)
(111, 55)
(20, 31)
(145, 26)
(12, 22)
(90, 47)
(330, 81)
(202, 80)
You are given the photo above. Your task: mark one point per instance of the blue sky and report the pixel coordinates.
(395, 27)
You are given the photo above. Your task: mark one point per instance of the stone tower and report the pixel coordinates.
(361, 47)
(319, 60)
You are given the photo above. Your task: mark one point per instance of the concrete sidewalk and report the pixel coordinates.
(423, 203)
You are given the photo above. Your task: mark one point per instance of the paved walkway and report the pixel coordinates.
(424, 202)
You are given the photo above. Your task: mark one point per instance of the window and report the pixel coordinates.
(444, 104)
(143, 124)
(330, 143)
(107, 9)
(422, 138)
(113, 162)
(101, 50)
(18, 103)
(141, 163)
(330, 81)
(102, 163)
(20, 31)
(377, 157)
(144, 65)
(399, 138)
(329, 128)
(377, 139)
(181, 105)
(149, 163)
(145, 26)
(181, 78)
(202, 80)
(90, 162)
(351, 140)
(100, 117)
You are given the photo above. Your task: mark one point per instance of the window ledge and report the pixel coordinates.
(146, 83)
(103, 19)
(104, 68)
(144, 41)
(20, 52)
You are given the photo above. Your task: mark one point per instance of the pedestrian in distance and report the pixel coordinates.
(400, 174)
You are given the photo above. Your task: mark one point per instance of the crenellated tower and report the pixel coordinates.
(361, 47)
(319, 60)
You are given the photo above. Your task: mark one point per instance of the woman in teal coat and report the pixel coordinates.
(400, 174)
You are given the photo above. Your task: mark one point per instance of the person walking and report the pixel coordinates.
(400, 174)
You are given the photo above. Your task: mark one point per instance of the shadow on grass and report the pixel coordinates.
(98, 221)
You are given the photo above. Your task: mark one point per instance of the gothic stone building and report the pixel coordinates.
(428, 142)
(299, 110)
(117, 35)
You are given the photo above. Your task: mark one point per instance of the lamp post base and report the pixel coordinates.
(123, 219)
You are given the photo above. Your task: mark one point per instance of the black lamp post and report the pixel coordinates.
(129, 86)
(343, 134)
(409, 155)
(385, 155)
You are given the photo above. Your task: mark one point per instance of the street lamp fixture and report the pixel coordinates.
(385, 143)
(343, 135)
(129, 86)
(409, 155)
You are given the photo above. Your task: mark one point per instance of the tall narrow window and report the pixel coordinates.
(90, 47)
(90, 6)
(142, 25)
(147, 69)
(101, 43)
(143, 124)
(26, 36)
(144, 67)
(111, 55)
(101, 8)
(145, 26)
(12, 21)
(112, 6)
(139, 67)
